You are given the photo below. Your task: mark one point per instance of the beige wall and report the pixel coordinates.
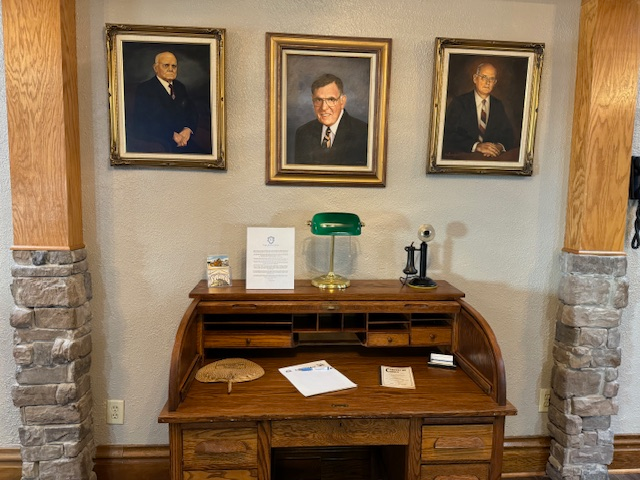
(148, 231)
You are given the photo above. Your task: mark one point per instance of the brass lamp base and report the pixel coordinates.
(331, 281)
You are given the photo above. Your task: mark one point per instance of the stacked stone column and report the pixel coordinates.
(593, 292)
(52, 351)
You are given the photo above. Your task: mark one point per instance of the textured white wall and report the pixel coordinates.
(148, 231)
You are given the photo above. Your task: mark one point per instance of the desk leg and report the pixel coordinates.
(264, 450)
(414, 449)
(175, 449)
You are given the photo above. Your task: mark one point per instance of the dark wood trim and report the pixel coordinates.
(523, 456)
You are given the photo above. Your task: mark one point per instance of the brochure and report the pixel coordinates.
(397, 377)
(314, 378)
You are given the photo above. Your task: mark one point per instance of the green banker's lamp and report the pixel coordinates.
(333, 224)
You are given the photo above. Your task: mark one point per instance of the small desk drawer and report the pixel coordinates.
(387, 339)
(219, 448)
(440, 335)
(455, 443)
(455, 471)
(213, 339)
(351, 431)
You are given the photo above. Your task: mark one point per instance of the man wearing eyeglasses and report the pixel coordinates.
(334, 137)
(476, 121)
(164, 117)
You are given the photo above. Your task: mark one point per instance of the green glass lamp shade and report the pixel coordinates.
(336, 223)
(333, 224)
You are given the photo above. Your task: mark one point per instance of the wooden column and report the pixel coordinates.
(603, 118)
(42, 110)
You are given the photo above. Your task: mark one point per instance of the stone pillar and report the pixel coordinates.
(593, 292)
(52, 351)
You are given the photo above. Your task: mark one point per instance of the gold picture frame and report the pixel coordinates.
(509, 74)
(358, 156)
(178, 123)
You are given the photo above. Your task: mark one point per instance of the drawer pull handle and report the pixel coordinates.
(331, 307)
(456, 477)
(389, 339)
(458, 442)
(247, 341)
(225, 446)
(432, 336)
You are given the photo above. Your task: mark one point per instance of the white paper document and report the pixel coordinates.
(316, 377)
(397, 377)
(270, 258)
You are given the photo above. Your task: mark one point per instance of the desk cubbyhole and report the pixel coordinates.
(355, 322)
(305, 322)
(330, 322)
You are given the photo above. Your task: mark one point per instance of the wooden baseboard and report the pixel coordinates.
(523, 456)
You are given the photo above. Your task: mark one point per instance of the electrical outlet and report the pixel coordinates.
(115, 412)
(544, 397)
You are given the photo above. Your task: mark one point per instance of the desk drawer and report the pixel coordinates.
(213, 339)
(456, 471)
(220, 475)
(387, 339)
(436, 335)
(219, 448)
(352, 431)
(455, 443)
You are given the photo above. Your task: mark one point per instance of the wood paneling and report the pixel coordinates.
(604, 110)
(42, 112)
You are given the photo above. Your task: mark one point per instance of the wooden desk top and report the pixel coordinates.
(359, 290)
(438, 393)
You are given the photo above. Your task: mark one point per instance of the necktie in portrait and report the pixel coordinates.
(326, 141)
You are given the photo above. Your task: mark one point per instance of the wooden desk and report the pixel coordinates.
(451, 426)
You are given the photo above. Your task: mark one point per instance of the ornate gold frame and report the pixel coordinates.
(522, 62)
(185, 38)
(340, 50)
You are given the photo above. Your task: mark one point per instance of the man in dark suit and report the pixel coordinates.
(334, 137)
(163, 113)
(477, 121)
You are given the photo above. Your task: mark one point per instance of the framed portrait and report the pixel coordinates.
(166, 96)
(327, 110)
(485, 106)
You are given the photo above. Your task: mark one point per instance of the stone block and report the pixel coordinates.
(569, 424)
(75, 468)
(42, 271)
(572, 357)
(41, 453)
(42, 353)
(58, 414)
(39, 257)
(606, 357)
(595, 264)
(31, 436)
(79, 367)
(605, 437)
(563, 438)
(65, 350)
(68, 433)
(30, 470)
(613, 338)
(24, 395)
(21, 317)
(593, 337)
(610, 374)
(594, 406)
(595, 472)
(567, 335)
(590, 316)
(584, 290)
(590, 438)
(23, 354)
(59, 317)
(563, 405)
(568, 382)
(22, 257)
(49, 291)
(601, 454)
(596, 423)
(610, 389)
(66, 393)
(42, 375)
(620, 295)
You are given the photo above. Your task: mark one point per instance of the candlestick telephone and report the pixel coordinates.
(634, 194)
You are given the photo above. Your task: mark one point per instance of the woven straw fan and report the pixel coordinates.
(230, 370)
